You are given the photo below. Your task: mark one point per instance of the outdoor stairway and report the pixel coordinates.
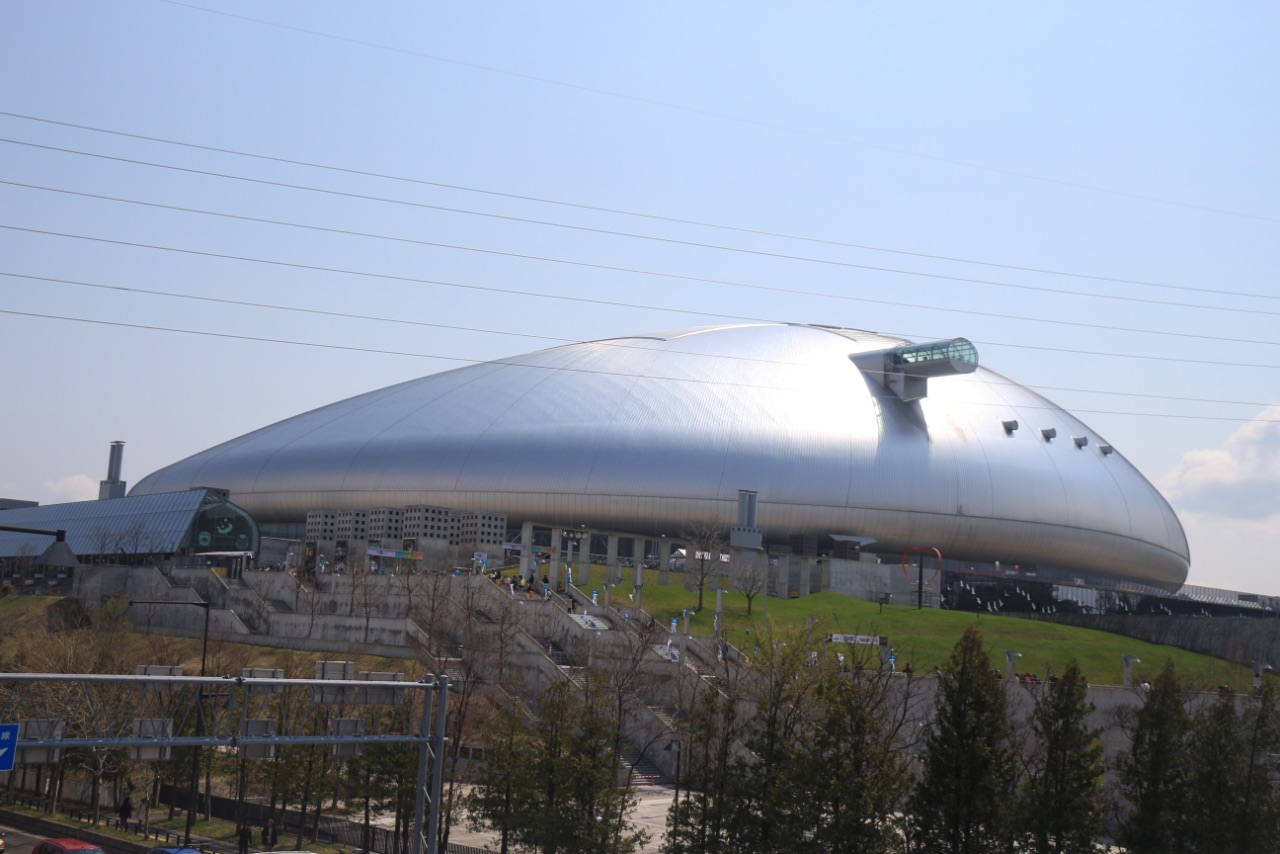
(643, 772)
(694, 664)
(576, 675)
(664, 714)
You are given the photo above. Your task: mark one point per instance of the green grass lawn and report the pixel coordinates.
(924, 637)
(215, 829)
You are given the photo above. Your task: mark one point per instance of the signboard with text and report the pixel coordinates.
(860, 640)
(8, 746)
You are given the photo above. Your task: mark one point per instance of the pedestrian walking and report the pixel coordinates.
(269, 835)
(245, 839)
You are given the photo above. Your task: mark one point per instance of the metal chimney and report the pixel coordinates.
(113, 486)
(745, 534)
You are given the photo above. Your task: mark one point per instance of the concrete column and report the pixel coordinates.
(526, 550)
(557, 545)
(767, 571)
(684, 637)
(584, 559)
(806, 574)
(639, 580)
(784, 576)
(611, 574)
(664, 561)
(824, 584)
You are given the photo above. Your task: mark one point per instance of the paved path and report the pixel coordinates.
(650, 814)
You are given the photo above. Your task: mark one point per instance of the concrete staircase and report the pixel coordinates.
(642, 771)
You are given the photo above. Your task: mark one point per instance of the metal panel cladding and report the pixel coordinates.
(654, 433)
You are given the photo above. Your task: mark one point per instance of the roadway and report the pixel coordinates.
(19, 841)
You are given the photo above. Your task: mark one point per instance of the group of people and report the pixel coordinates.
(269, 837)
(530, 587)
(1034, 679)
(125, 809)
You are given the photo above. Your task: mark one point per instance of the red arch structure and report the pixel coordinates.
(920, 550)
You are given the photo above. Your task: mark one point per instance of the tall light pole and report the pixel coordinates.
(195, 755)
(1129, 661)
(1009, 656)
(676, 744)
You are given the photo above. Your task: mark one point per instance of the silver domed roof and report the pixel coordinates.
(652, 433)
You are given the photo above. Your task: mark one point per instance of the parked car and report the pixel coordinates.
(65, 845)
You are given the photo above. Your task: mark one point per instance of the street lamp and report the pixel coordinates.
(195, 756)
(1009, 656)
(1129, 661)
(676, 744)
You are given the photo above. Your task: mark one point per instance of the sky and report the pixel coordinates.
(217, 214)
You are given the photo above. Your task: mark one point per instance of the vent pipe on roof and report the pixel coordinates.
(745, 534)
(113, 486)
(746, 508)
(117, 457)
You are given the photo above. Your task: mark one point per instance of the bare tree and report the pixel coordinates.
(155, 541)
(628, 670)
(308, 598)
(429, 603)
(702, 560)
(102, 538)
(25, 560)
(749, 575)
(132, 539)
(464, 616)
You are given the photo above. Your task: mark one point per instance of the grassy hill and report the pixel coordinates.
(34, 637)
(925, 637)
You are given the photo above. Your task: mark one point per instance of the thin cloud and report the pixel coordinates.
(1233, 553)
(73, 487)
(1240, 480)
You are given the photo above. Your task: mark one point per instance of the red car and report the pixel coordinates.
(66, 845)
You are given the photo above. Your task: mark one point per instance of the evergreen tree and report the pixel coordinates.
(964, 801)
(1259, 825)
(1234, 797)
(848, 778)
(783, 686)
(1062, 808)
(1216, 775)
(550, 785)
(1155, 771)
(706, 819)
(820, 772)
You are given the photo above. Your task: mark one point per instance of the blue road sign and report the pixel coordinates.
(8, 745)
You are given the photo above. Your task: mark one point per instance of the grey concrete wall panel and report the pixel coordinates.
(648, 434)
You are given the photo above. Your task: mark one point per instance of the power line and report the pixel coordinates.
(590, 300)
(732, 118)
(551, 368)
(344, 315)
(654, 273)
(843, 297)
(942, 277)
(619, 212)
(613, 343)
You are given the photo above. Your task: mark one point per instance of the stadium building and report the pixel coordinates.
(843, 436)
